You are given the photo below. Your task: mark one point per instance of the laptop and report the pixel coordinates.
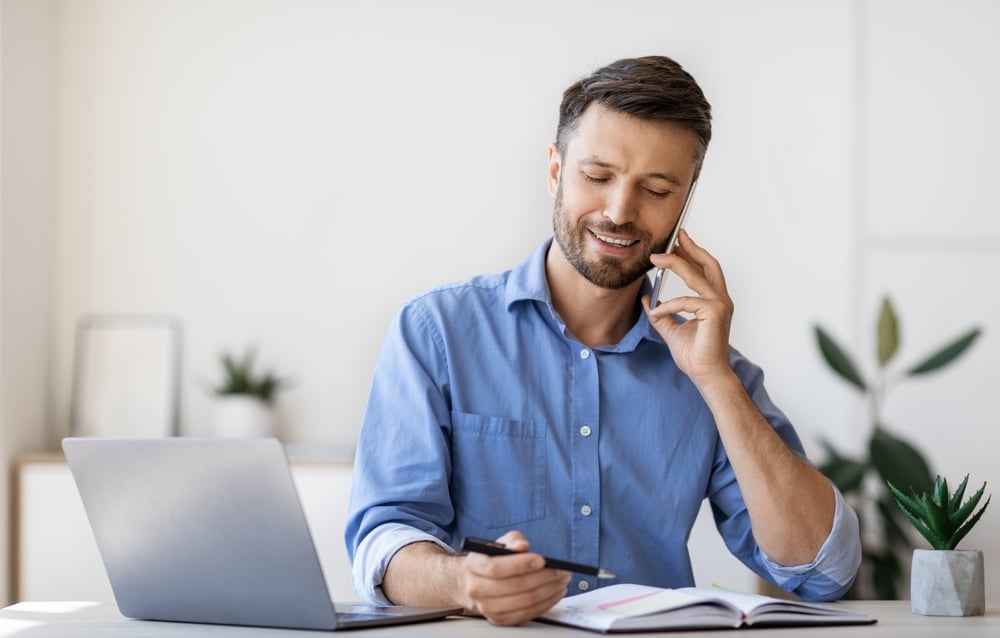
(211, 531)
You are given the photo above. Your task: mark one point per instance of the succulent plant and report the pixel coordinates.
(942, 519)
(239, 378)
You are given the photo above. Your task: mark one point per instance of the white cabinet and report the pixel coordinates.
(56, 556)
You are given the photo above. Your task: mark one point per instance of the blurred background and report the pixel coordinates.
(286, 174)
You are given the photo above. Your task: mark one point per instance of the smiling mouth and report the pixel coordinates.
(613, 241)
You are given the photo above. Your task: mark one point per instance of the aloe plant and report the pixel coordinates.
(239, 378)
(939, 517)
(890, 456)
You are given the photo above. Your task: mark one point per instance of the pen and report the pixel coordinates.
(493, 548)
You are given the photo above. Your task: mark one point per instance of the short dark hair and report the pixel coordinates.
(651, 88)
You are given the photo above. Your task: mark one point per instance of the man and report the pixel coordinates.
(550, 405)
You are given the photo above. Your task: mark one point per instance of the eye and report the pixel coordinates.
(657, 194)
(595, 179)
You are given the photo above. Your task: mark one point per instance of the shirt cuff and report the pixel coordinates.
(838, 559)
(374, 553)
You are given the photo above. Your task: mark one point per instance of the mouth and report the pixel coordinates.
(615, 242)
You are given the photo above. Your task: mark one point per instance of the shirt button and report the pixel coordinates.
(585, 354)
(583, 585)
(585, 430)
(586, 511)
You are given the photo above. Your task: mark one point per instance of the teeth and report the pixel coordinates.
(616, 242)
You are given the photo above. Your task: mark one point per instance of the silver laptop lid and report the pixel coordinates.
(201, 530)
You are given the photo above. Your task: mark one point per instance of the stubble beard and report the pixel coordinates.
(606, 272)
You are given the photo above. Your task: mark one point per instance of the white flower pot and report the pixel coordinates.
(241, 415)
(947, 582)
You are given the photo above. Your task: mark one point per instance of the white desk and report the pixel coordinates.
(101, 620)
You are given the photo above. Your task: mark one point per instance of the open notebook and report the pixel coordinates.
(210, 531)
(623, 608)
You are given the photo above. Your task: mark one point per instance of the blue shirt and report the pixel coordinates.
(487, 415)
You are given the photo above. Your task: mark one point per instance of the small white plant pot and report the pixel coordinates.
(240, 415)
(947, 582)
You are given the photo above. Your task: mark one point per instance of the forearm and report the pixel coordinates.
(423, 574)
(790, 504)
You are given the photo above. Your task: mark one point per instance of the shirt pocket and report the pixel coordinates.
(498, 470)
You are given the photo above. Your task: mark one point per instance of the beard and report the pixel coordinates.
(606, 271)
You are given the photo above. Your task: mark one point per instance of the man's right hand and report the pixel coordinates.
(506, 590)
(512, 589)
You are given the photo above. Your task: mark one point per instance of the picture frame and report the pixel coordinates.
(126, 379)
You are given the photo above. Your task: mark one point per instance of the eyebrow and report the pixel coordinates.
(593, 161)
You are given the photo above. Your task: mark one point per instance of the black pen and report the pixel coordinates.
(493, 548)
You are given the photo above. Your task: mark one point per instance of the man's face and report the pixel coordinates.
(618, 192)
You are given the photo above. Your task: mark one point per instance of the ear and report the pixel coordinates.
(555, 170)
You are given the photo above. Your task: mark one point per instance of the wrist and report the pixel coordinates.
(723, 385)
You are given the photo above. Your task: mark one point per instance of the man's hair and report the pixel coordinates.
(650, 88)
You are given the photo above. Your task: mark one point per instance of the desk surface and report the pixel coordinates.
(86, 620)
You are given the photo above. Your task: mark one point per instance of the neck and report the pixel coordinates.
(595, 316)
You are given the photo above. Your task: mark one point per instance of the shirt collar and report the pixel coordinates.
(527, 282)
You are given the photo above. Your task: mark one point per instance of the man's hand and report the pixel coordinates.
(507, 590)
(510, 590)
(700, 346)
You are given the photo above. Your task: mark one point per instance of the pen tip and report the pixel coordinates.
(605, 574)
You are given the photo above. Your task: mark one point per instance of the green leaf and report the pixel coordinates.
(937, 518)
(941, 493)
(924, 530)
(956, 498)
(888, 333)
(838, 360)
(915, 512)
(899, 462)
(905, 503)
(963, 512)
(965, 529)
(846, 474)
(945, 355)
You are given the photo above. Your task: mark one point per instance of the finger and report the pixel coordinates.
(521, 606)
(515, 541)
(497, 567)
(710, 266)
(701, 309)
(689, 272)
(521, 616)
(657, 314)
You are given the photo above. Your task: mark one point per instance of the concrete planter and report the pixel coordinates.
(947, 582)
(240, 415)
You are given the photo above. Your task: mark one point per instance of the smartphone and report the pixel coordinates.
(661, 274)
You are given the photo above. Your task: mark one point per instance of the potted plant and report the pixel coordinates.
(945, 581)
(890, 457)
(244, 398)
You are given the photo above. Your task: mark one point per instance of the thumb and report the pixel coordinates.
(515, 540)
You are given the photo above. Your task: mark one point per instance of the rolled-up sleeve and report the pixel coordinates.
(374, 553)
(832, 572)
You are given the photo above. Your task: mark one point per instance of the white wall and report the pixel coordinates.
(288, 174)
(27, 102)
(930, 229)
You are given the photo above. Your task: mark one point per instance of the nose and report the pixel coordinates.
(620, 207)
